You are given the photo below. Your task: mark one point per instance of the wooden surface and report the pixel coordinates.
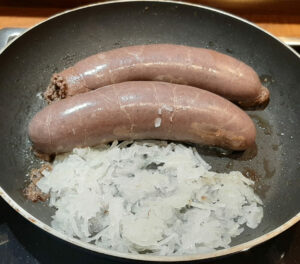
(278, 7)
(280, 25)
(24, 17)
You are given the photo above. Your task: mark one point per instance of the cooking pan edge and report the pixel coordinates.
(162, 1)
(234, 249)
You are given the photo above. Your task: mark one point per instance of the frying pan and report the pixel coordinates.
(274, 164)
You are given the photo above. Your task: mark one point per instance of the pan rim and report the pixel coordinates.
(157, 1)
(235, 249)
(223, 252)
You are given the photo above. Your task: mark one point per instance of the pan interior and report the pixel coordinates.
(28, 63)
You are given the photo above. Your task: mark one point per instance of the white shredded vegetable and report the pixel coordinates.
(150, 198)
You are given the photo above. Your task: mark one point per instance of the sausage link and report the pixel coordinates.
(141, 110)
(202, 68)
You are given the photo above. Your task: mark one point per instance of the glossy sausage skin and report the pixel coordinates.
(141, 110)
(202, 68)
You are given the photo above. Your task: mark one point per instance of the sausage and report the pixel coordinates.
(202, 68)
(141, 110)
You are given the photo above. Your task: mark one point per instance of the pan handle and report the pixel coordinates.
(8, 34)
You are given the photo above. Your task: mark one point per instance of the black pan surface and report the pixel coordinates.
(28, 63)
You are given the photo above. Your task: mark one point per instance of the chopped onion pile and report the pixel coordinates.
(150, 198)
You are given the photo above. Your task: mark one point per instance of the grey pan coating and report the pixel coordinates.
(28, 63)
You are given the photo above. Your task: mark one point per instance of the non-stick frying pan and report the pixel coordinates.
(28, 63)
